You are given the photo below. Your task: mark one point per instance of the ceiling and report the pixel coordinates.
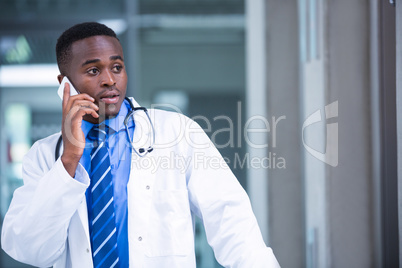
(29, 28)
(14, 12)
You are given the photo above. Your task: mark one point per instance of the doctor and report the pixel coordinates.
(101, 204)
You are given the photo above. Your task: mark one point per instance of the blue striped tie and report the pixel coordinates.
(104, 233)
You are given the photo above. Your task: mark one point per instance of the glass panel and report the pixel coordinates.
(17, 140)
(192, 62)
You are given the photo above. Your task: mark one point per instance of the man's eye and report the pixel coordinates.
(117, 68)
(93, 71)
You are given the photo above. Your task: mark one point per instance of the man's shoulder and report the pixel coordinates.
(168, 115)
(46, 145)
(172, 120)
(156, 113)
(49, 139)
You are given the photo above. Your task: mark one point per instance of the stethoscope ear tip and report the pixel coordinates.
(142, 150)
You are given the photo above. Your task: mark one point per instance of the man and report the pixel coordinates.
(102, 203)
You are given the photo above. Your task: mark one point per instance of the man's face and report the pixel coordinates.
(97, 68)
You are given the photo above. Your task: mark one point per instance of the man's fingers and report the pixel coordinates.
(66, 94)
(85, 104)
(90, 111)
(84, 96)
(79, 111)
(80, 100)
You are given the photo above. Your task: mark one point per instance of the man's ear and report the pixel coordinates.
(60, 78)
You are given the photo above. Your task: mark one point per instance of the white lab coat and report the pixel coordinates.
(47, 222)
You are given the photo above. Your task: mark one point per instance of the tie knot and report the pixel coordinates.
(99, 133)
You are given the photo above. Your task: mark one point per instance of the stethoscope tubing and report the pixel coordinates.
(141, 152)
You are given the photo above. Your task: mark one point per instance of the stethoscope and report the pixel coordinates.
(141, 152)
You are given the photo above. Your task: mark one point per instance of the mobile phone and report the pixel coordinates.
(60, 91)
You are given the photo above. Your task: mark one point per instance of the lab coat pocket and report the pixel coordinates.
(170, 226)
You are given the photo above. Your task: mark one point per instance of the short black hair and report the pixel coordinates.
(75, 33)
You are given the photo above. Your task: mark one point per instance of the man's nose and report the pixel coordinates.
(108, 79)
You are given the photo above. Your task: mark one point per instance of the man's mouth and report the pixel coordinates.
(111, 99)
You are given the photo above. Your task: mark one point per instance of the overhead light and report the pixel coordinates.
(119, 26)
(193, 21)
(32, 75)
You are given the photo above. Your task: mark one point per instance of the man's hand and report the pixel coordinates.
(74, 108)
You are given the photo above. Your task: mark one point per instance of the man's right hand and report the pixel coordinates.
(74, 109)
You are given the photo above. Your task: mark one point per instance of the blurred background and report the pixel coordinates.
(314, 80)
